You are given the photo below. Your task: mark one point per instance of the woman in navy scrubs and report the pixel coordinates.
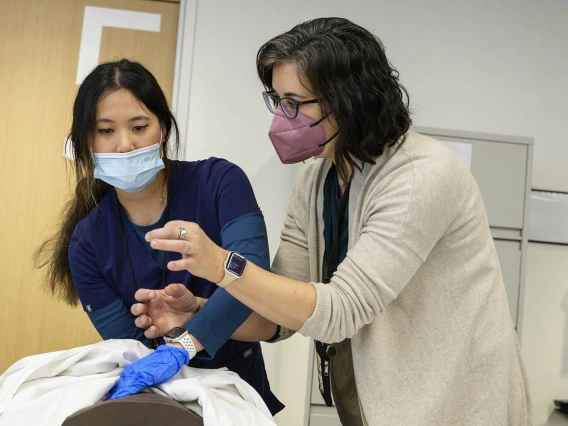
(127, 186)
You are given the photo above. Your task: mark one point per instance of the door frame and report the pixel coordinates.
(183, 67)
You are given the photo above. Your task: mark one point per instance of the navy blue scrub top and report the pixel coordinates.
(213, 193)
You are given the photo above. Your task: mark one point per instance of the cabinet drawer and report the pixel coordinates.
(500, 171)
(323, 416)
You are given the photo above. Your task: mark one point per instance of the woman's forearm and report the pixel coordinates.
(271, 296)
(255, 329)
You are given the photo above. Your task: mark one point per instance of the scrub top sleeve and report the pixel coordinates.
(223, 314)
(115, 321)
(235, 196)
(109, 315)
(93, 291)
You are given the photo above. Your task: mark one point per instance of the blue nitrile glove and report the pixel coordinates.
(152, 370)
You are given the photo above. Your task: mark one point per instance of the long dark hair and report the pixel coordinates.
(348, 71)
(104, 79)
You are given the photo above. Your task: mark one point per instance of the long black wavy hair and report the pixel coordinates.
(104, 79)
(349, 73)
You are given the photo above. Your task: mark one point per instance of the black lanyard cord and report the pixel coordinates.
(325, 352)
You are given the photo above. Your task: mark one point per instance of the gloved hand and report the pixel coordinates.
(152, 370)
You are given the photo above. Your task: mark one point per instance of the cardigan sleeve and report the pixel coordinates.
(292, 258)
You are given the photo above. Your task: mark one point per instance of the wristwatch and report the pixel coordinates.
(234, 269)
(180, 335)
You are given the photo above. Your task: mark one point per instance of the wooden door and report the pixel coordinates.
(40, 44)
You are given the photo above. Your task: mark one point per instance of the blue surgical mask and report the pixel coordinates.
(130, 171)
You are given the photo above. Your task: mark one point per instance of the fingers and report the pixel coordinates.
(171, 231)
(143, 321)
(178, 265)
(139, 309)
(181, 298)
(144, 295)
(179, 246)
(152, 332)
(166, 233)
(177, 291)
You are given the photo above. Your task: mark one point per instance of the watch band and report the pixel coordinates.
(227, 279)
(186, 341)
(188, 345)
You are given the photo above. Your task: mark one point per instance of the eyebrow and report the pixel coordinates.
(108, 120)
(294, 95)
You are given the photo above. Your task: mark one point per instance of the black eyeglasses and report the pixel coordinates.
(289, 106)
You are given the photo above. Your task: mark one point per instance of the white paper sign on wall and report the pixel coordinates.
(95, 18)
(548, 219)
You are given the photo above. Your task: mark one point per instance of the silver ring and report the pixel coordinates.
(182, 233)
(189, 249)
(151, 322)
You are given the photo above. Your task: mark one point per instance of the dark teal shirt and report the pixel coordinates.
(141, 232)
(331, 203)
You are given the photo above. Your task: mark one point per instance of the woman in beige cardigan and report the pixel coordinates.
(415, 312)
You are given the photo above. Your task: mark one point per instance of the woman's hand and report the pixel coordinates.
(200, 256)
(161, 310)
(152, 370)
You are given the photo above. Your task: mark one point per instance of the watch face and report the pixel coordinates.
(175, 332)
(236, 264)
